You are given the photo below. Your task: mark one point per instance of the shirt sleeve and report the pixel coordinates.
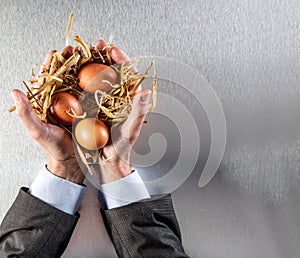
(57, 192)
(124, 191)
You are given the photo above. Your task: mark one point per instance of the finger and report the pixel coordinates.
(132, 126)
(138, 89)
(67, 52)
(48, 57)
(100, 45)
(30, 120)
(46, 61)
(119, 56)
(44, 65)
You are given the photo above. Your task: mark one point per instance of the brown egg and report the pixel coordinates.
(95, 76)
(63, 102)
(91, 133)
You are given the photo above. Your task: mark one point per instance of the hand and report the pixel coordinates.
(115, 161)
(54, 140)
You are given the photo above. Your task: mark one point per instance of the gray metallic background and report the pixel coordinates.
(249, 51)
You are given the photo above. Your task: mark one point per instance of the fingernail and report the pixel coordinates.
(16, 97)
(145, 97)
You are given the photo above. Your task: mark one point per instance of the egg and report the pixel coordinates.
(93, 77)
(91, 133)
(63, 102)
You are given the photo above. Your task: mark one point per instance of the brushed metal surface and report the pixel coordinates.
(249, 51)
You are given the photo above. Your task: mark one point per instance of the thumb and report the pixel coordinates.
(133, 125)
(30, 120)
(140, 104)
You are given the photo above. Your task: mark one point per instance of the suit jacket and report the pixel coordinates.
(32, 228)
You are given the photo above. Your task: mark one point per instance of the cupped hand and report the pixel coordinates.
(115, 157)
(55, 141)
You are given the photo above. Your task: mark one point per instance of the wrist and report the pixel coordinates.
(66, 169)
(113, 166)
(112, 172)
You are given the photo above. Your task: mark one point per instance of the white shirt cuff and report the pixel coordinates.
(57, 192)
(124, 191)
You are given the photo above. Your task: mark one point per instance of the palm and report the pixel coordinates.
(59, 142)
(55, 141)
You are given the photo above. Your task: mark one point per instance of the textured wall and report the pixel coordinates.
(250, 53)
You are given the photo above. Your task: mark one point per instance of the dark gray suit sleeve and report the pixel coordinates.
(32, 228)
(145, 229)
